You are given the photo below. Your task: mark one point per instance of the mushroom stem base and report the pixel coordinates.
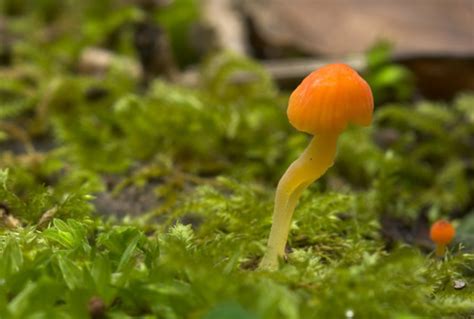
(312, 164)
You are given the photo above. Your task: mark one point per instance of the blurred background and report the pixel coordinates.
(434, 40)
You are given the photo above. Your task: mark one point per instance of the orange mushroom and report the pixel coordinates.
(323, 105)
(442, 233)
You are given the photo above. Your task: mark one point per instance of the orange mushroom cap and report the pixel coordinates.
(442, 232)
(330, 98)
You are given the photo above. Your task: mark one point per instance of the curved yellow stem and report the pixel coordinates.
(312, 164)
(440, 250)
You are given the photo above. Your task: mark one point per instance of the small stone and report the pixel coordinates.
(96, 307)
(459, 284)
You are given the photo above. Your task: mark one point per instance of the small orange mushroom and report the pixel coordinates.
(442, 233)
(323, 105)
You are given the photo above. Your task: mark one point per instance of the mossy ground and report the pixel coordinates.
(121, 201)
